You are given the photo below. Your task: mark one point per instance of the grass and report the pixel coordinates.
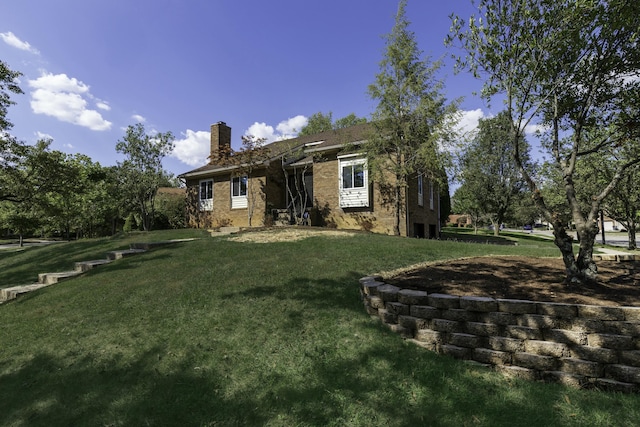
(216, 332)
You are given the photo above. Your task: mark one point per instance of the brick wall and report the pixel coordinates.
(578, 345)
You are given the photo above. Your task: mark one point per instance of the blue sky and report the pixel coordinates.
(93, 67)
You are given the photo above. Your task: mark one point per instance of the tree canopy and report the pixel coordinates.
(411, 118)
(581, 92)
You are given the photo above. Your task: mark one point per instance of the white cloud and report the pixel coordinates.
(138, 118)
(291, 127)
(63, 98)
(42, 135)
(12, 40)
(532, 129)
(194, 148)
(103, 105)
(284, 130)
(469, 123)
(261, 130)
(68, 146)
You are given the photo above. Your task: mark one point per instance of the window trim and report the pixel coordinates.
(206, 203)
(239, 201)
(352, 196)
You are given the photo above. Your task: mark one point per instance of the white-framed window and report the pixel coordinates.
(420, 190)
(354, 181)
(206, 195)
(239, 192)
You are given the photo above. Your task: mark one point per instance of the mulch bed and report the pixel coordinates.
(536, 279)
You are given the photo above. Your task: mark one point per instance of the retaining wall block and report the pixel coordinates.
(411, 297)
(374, 278)
(627, 374)
(537, 321)
(498, 318)
(617, 342)
(376, 302)
(516, 306)
(482, 304)
(457, 352)
(595, 354)
(459, 315)
(371, 288)
(565, 336)
(596, 326)
(581, 367)
(428, 336)
(465, 340)
(631, 358)
(413, 323)
(387, 317)
(442, 325)
(397, 308)
(558, 309)
(494, 357)
(600, 312)
(523, 332)
(505, 344)
(535, 361)
(623, 328)
(444, 301)
(631, 314)
(424, 311)
(388, 292)
(547, 348)
(482, 329)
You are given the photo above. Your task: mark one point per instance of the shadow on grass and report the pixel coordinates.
(48, 391)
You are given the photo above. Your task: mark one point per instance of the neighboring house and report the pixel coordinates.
(323, 175)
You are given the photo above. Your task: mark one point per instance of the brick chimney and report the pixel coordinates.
(220, 142)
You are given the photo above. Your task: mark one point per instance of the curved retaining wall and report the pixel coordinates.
(578, 345)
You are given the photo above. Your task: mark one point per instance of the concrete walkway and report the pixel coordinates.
(47, 279)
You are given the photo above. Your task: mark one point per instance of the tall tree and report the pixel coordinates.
(320, 122)
(411, 117)
(141, 172)
(488, 170)
(11, 150)
(578, 89)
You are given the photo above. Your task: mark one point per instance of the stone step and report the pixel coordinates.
(84, 266)
(51, 278)
(113, 255)
(7, 294)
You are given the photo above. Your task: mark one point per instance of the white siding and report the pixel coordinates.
(355, 196)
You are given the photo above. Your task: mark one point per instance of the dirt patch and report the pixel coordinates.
(286, 235)
(536, 279)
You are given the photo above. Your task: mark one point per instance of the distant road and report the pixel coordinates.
(613, 238)
(28, 243)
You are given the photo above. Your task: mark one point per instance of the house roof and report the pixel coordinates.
(299, 147)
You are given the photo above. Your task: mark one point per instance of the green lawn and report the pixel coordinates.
(216, 332)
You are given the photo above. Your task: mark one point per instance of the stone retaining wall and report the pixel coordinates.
(579, 345)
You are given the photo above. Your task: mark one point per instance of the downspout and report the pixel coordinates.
(438, 225)
(406, 211)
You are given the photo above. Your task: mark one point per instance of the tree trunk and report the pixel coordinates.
(396, 226)
(582, 268)
(631, 233)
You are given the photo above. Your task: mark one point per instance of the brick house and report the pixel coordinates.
(319, 180)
